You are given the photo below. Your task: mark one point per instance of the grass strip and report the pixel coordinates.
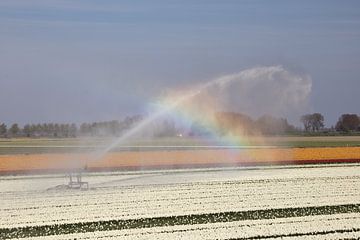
(82, 227)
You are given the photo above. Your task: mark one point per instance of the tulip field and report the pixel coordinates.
(272, 202)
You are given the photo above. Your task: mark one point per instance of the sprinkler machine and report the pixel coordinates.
(75, 181)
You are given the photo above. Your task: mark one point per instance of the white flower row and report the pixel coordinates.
(299, 226)
(42, 208)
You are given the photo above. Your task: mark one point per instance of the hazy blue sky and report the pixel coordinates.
(84, 60)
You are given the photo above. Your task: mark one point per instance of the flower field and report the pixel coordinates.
(220, 203)
(174, 158)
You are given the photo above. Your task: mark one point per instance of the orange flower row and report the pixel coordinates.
(176, 158)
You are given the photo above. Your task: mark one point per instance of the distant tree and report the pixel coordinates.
(33, 129)
(64, 130)
(268, 124)
(348, 122)
(312, 122)
(3, 130)
(114, 128)
(27, 130)
(165, 128)
(131, 121)
(306, 120)
(73, 130)
(235, 123)
(85, 129)
(56, 130)
(39, 129)
(317, 122)
(51, 129)
(199, 129)
(94, 129)
(14, 129)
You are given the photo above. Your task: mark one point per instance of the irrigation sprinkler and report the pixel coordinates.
(75, 181)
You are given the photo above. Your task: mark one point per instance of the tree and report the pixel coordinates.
(85, 129)
(268, 124)
(235, 123)
(56, 130)
(39, 129)
(317, 122)
(51, 129)
(3, 129)
(14, 130)
(199, 129)
(165, 128)
(73, 130)
(312, 122)
(64, 130)
(27, 130)
(114, 128)
(306, 120)
(348, 122)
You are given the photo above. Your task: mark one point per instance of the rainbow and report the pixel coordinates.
(202, 119)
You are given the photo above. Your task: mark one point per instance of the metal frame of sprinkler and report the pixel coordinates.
(75, 180)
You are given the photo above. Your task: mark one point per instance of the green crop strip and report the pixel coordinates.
(320, 233)
(82, 227)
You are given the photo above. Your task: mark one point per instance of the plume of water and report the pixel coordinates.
(253, 77)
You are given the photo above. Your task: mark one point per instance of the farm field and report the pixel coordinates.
(170, 159)
(185, 120)
(272, 202)
(38, 145)
(181, 189)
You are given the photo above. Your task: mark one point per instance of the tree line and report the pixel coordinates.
(346, 123)
(104, 128)
(241, 124)
(93, 129)
(227, 123)
(232, 123)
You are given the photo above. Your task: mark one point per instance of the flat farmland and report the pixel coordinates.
(180, 189)
(66, 145)
(36, 155)
(170, 159)
(290, 202)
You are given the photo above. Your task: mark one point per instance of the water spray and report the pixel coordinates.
(249, 76)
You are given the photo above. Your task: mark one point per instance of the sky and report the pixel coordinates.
(97, 60)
